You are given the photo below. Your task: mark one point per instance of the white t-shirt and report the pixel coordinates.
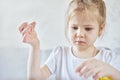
(62, 63)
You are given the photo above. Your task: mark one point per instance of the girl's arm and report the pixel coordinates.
(35, 72)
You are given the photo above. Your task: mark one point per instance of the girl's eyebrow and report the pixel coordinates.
(73, 24)
(84, 25)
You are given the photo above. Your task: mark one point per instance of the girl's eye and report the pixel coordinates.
(75, 28)
(88, 29)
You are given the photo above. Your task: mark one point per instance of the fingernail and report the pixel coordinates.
(33, 23)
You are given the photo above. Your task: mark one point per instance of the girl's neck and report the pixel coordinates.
(84, 53)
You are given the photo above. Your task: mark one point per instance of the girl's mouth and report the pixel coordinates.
(80, 42)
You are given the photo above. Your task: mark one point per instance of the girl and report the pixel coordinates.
(82, 60)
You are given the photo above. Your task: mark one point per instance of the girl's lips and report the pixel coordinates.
(80, 42)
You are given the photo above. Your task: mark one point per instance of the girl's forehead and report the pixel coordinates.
(84, 18)
(87, 14)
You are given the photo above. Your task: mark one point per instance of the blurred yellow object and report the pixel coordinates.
(104, 78)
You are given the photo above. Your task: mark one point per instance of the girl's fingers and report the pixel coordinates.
(93, 67)
(88, 68)
(29, 28)
(32, 25)
(79, 68)
(26, 37)
(89, 73)
(99, 75)
(82, 69)
(23, 26)
(92, 72)
(96, 76)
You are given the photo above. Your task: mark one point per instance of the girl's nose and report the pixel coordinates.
(80, 33)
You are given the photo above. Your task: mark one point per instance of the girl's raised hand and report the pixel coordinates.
(96, 69)
(28, 34)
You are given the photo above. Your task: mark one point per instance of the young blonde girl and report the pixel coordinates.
(82, 60)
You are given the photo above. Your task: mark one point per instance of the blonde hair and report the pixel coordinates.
(96, 7)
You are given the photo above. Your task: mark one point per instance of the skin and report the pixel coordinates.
(82, 33)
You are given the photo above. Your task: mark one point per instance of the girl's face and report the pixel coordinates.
(83, 31)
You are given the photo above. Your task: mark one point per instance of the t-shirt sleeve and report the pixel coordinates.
(115, 62)
(111, 57)
(52, 60)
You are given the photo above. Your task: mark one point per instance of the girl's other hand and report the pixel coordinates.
(28, 34)
(96, 69)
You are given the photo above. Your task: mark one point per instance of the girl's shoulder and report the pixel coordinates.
(105, 54)
(116, 60)
(105, 51)
(110, 51)
(108, 55)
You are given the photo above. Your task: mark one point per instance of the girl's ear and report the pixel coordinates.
(102, 26)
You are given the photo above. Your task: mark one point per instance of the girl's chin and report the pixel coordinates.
(81, 46)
